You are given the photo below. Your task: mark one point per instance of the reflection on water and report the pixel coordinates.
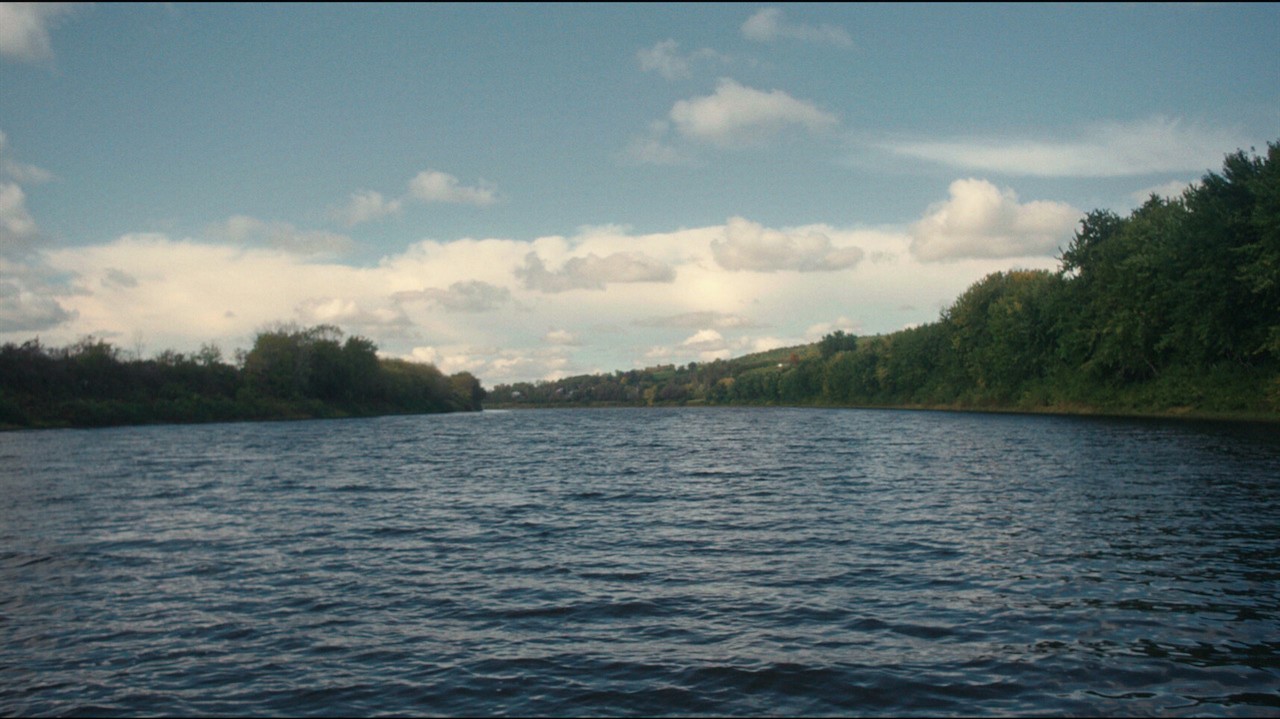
(643, 562)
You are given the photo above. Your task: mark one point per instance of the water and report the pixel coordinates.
(643, 562)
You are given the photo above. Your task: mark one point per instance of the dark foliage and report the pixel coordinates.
(290, 372)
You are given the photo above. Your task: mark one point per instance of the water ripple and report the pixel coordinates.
(726, 562)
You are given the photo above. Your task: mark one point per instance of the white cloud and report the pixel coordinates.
(470, 296)
(666, 59)
(488, 363)
(27, 303)
(348, 313)
(769, 25)
(427, 186)
(435, 186)
(1153, 146)
(366, 205)
(243, 229)
(736, 115)
(24, 29)
(707, 340)
(593, 272)
(17, 227)
(708, 345)
(1168, 190)
(652, 149)
(822, 329)
(467, 301)
(20, 172)
(561, 337)
(751, 246)
(715, 320)
(981, 220)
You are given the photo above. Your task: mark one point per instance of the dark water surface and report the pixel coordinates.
(641, 562)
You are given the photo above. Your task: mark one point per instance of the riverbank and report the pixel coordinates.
(1065, 410)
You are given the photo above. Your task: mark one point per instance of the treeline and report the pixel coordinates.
(290, 373)
(1174, 308)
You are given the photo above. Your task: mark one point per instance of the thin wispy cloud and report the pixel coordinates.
(242, 229)
(365, 206)
(770, 25)
(428, 186)
(654, 149)
(1168, 190)
(666, 59)
(19, 171)
(1151, 146)
(714, 320)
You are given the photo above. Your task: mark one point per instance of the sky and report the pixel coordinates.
(530, 192)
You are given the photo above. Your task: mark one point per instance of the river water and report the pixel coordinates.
(643, 562)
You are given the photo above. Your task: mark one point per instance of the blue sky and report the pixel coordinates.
(533, 191)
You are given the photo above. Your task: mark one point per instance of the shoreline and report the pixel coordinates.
(1179, 413)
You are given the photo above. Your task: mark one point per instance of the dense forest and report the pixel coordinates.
(1173, 309)
(290, 373)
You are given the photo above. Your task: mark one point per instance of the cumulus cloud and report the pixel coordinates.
(347, 312)
(26, 303)
(593, 272)
(465, 300)
(736, 115)
(769, 25)
(751, 246)
(436, 186)
(246, 230)
(548, 363)
(1151, 146)
(470, 296)
(17, 227)
(24, 29)
(981, 220)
